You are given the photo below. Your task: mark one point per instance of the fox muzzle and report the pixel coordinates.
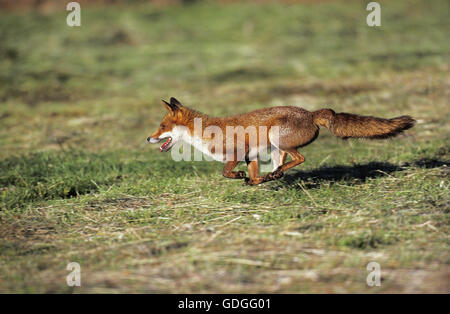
(152, 140)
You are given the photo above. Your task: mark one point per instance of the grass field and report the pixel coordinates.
(79, 183)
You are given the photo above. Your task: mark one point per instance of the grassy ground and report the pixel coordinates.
(78, 182)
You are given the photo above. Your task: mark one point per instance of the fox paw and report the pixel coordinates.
(249, 181)
(277, 174)
(240, 175)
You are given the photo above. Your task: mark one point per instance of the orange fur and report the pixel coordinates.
(297, 128)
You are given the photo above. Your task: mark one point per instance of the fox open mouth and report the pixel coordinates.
(166, 145)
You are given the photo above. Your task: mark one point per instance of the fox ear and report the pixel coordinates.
(171, 108)
(175, 102)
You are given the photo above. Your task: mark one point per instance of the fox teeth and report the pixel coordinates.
(163, 146)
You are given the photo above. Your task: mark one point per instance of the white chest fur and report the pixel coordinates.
(199, 143)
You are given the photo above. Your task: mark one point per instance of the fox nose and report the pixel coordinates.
(152, 140)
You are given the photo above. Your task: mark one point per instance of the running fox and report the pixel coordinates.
(296, 127)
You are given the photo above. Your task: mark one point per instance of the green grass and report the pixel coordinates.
(78, 182)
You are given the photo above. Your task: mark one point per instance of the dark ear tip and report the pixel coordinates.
(174, 101)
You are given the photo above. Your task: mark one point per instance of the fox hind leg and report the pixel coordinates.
(278, 157)
(282, 158)
(297, 159)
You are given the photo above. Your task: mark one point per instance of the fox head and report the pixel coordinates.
(169, 129)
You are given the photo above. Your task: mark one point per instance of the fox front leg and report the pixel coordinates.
(229, 173)
(255, 178)
(253, 173)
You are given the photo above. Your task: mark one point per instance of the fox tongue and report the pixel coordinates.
(163, 146)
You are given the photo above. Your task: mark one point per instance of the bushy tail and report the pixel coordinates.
(347, 125)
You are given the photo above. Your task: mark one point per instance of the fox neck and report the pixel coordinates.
(190, 117)
(192, 134)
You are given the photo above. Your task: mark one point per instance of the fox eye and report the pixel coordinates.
(163, 126)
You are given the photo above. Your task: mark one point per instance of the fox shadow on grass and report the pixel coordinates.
(355, 173)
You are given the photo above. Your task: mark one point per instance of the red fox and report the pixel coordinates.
(296, 127)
